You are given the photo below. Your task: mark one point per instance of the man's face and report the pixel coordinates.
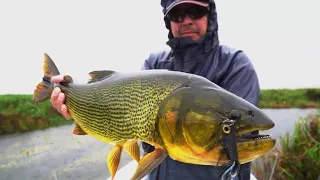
(193, 26)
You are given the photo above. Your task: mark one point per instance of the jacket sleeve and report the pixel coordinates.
(146, 65)
(242, 79)
(151, 61)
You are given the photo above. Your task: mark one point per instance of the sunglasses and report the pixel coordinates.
(194, 12)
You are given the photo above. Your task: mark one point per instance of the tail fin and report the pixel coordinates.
(44, 88)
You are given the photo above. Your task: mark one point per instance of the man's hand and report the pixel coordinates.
(57, 98)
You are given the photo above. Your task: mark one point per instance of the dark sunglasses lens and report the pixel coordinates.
(175, 15)
(194, 12)
(197, 12)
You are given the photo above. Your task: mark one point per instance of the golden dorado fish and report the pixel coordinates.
(182, 115)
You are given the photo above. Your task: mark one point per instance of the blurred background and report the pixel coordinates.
(281, 38)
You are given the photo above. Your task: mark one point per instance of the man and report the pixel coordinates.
(195, 49)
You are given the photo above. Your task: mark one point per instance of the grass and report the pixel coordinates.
(296, 157)
(18, 113)
(290, 98)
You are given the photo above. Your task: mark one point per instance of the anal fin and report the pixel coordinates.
(149, 162)
(78, 130)
(113, 159)
(132, 148)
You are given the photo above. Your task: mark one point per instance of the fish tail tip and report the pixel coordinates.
(49, 67)
(47, 58)
(42, 92)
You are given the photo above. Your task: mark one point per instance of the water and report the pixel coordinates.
(57, 154)
(284, 119)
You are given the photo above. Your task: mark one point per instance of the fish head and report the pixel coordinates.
(247, 118)
(191, 126)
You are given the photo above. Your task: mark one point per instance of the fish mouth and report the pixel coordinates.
(245, 135)
(252, 137)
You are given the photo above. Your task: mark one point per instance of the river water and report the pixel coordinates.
(57, 154)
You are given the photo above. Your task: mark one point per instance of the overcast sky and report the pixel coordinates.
(282, 38)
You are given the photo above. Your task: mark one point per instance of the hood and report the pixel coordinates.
(208, 42)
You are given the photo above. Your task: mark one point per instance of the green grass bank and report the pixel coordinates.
(290, 98)
(19, 114)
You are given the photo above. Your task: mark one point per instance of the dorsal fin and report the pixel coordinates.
(99, 75)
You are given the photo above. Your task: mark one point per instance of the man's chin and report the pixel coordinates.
(193, 36)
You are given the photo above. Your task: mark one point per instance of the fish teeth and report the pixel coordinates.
(262, 137)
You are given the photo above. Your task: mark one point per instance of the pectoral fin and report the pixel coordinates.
(113, 159)
(78, 130)
(148, 162)
(132, 148)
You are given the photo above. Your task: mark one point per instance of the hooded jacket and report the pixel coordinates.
(228, 67)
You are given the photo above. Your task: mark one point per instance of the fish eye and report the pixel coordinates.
(250, 113)
(234, 115)
(226, 129)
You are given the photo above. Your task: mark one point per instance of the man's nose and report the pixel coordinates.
(187, 20)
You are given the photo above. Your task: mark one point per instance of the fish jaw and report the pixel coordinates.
(254, 148)
(217, 156)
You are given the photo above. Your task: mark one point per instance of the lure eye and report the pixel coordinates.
(226, 129)
(234, 115)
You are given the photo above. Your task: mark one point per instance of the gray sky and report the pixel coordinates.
(282, 38)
